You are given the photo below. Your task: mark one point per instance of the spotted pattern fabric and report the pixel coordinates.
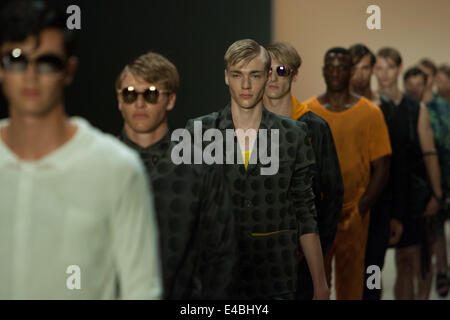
(271, 211)
(196, 226)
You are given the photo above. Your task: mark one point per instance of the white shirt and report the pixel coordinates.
(87, 204)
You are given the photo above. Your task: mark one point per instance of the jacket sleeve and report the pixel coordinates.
(331, 187)
(218, 240)
(301, 191)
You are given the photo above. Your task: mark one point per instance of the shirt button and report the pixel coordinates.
(155, 159)
(248, 203)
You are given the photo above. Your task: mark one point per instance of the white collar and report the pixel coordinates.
(56, 159)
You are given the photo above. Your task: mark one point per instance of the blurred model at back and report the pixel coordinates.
(385, 226)
(423, 184)
(439, 111)
(363, 148)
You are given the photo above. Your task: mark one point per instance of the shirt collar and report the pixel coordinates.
(226, 119)
(57, 159)
(157, 149)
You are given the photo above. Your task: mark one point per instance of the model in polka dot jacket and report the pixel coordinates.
(271, 211)
(196, 227)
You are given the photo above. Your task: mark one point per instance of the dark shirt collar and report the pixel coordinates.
(226, 119)
(157, 149)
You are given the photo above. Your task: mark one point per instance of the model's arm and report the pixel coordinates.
(379, 156)
(135, 239)
(399, 178)
(399, 182)
(313, 253)
(331, 187)
(431, 159)
(378, 179)
(301, 193)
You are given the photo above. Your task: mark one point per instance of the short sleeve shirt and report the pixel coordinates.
(361, 136)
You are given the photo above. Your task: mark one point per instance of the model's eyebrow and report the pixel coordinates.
(251, 72)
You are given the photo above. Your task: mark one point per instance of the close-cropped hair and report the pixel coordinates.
(427, 63)
(415, 71)
(285, 54)
(153, 68)
(20, 19)
(359, 51)
(391, 53)
(337, 51)
(245, 50)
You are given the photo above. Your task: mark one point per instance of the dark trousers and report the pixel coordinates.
(377, 243)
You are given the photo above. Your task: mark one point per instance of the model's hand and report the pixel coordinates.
(322, 293)
(395, 232)
(432, 207)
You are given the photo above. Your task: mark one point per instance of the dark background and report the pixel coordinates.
(193, 34)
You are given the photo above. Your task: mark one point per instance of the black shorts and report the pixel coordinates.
(413, 232)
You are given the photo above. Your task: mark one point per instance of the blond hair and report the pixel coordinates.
(245, 50)
(153, 68)
(391, 53)
(285, 54)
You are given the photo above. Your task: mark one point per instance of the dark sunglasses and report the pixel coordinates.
(16, 61)
(151, 95)
(282, 71)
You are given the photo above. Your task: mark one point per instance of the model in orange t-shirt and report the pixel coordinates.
(362, 143)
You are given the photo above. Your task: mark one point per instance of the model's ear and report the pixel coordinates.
(119, 101)
(227, 81)
(171, 103)
(295, 77)
(1, 74)
(72, 65)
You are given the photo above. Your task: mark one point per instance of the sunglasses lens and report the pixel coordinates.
(282, 71)
(12, 63)
(129, 96)
(49, 64)
(45, 64)
(151, 96)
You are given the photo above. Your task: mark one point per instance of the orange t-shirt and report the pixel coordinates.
(361, 136)
(298, 109)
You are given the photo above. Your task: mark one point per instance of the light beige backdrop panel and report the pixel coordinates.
(417, 28)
